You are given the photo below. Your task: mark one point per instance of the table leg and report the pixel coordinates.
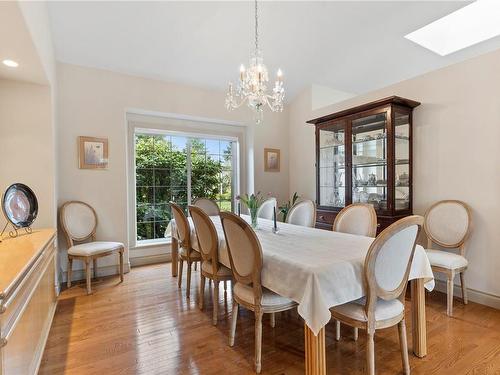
(175, 256)
(315, 352)
(418, 318)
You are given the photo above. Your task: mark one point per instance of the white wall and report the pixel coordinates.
(93, 102)
(36, 17)
(456, 133)
(27, 144)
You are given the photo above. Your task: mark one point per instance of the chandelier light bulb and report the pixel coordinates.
(280, 75)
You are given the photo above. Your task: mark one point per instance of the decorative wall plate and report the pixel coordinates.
(19, 205)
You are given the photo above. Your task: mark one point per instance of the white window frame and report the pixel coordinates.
(189, 136)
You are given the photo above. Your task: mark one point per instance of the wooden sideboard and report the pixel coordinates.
(28, 299)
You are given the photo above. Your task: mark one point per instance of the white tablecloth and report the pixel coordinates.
(316, 268)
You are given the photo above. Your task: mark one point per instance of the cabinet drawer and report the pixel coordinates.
(325, 217)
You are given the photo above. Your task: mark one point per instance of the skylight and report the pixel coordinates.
(463, 28)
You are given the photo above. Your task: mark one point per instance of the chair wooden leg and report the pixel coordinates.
(181, 265)
(370, 352)
(195, 266)
(258, 341)
(449, 294)
(188, 291)
(121, 265)
(337, 330)
(225, 286)
(202, 292)
(215, 298)
(403, 343)
(273, 320)
(94, 267)
(70, 271)
(87, 274)
(464, 288)
(234, 318)
(355, 333)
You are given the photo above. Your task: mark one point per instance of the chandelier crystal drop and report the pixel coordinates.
(252, 86)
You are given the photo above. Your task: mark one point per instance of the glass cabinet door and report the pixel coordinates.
(331, 165)
(402, 160)
(369, 160)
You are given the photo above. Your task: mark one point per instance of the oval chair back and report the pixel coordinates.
(302, 213)
(181, 226)
(357, 218)
(388, 262)
(78, 221)
(209, 206)
(448, 223)
(245, 252)
(266, 209)
(206, 234)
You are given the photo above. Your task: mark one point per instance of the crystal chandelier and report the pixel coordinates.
(252, 86)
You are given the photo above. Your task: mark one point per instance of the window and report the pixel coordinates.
(181, 169)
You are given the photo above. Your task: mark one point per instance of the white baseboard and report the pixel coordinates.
(101, 271)
(150, 259)
(473, 295)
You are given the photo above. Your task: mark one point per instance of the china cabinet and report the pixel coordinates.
(364, 154)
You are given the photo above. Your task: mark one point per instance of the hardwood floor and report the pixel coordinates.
(146, 326)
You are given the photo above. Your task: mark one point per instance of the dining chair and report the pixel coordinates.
(359, 219)
(208, 243)
(186, 251)
(386, 270)
(302, 213)
(245, 256)
(209, 206)
(266, 209)
(79, 224)
(448, 224)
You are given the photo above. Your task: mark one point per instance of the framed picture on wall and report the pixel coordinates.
(93, 153)
(271, 160)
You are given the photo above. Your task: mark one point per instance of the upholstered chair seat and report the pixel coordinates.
(245, 255)
(208, 206)
(79, 223)
(386, 272)
(359, 219)
(446, 260)
(269, 301)
(207, 266)
(186, 252)
(266, 209)
(302, 213)
(383, 309)
(94, 248)
(448, 224)
(193, 255)
(207, 243)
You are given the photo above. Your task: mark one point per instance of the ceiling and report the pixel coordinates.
(353, 47)
(16, 44)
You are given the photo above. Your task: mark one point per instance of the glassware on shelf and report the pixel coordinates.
(402, 164)
(369, 159)
(332, 165)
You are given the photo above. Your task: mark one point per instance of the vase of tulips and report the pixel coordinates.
(253, 202)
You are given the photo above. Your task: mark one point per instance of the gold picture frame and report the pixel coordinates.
(271, 160)
(92, 153)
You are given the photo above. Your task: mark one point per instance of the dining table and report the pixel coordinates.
(319, 269)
